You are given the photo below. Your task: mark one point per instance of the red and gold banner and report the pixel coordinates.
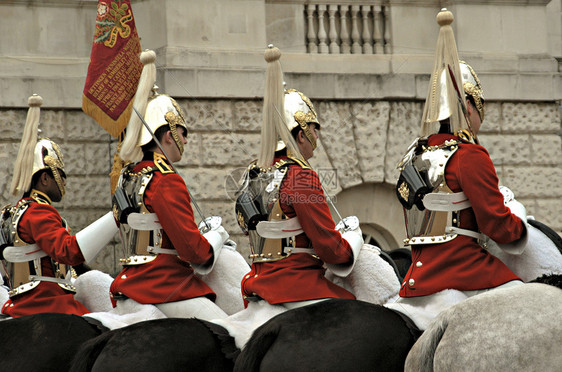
(115, 67)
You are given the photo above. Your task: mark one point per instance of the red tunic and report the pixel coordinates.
(300, 276)
(462, 263)
(41, 224)
(168, 278)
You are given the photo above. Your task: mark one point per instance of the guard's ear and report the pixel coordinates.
(301, 137)
(44, 178)
(469, 106)
(168, 138)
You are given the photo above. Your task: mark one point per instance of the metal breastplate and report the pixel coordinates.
(260, 216)
(142, 238)
(24, 274)
(431, 209)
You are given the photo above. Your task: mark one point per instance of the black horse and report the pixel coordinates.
(334, 335)
(43, 342)
(170, 344)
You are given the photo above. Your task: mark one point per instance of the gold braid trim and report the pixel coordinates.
(40, 197)
(475, 91)
(59, 154)
(55, 165)
(175, 120)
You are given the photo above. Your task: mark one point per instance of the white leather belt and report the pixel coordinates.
(50, 279)
(279, 229)
(445, 202)
(161, 250)
(144, 221)
(459, 231)
(291, 250)
(24, 253)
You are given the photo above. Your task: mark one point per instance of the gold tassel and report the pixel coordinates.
(23, 167)
(117, 166)
(274, 126)
(131, 151)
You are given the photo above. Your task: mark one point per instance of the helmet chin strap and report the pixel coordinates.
(301, 119)
(309, 136)
(51, 163)
(172, 122)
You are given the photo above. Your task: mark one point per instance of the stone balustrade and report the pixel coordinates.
(347, 28)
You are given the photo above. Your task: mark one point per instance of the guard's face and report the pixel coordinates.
(53, 190)
(474, 117)
(306, 148)
(176, 152)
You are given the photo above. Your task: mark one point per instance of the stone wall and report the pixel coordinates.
(361, 143)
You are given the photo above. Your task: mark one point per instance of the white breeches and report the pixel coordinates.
(199, 307)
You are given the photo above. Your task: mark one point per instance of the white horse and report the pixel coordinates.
(512, 329)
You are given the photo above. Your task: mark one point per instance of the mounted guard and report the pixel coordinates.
(164, 248)
(282, 207)
(449, 190)
(37, 247)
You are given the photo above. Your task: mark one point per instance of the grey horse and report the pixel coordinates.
(512, 329)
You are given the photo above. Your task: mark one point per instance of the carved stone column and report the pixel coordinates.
(322, 36)
(355, 46)
(334, 47)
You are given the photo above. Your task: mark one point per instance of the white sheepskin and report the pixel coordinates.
(92, 290)
(4, 296)
(422, 310)
(372, 279)
(126, 313)
(540, 256)
(242, 324)
(225, 280)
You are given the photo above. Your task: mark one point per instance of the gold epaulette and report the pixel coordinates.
(281, 163)
(465, 136)
(303, 164)
(161, 164)
(40, 197)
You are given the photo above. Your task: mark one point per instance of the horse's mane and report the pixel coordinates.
(550, 279)
(228, 346)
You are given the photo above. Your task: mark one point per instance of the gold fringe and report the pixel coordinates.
(117, 166)
(113, 127)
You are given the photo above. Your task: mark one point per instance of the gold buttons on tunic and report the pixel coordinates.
(419, 264)
(411, 282)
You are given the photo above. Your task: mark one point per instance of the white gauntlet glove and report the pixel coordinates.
(517, 247)
(514, 206)
(230, 244)
(216, 235)
(351, 232)
(350, 223)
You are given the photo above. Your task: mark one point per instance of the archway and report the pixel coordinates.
(378, 210)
